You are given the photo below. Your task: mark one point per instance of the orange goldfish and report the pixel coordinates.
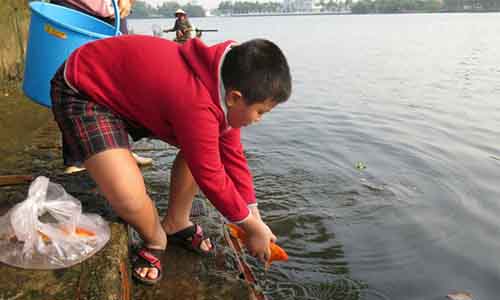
(79, 231)
(45, 238)
(277, 253)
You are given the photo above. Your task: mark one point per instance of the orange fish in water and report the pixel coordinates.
(277, 253)
(79, 231)
(45, 238)
(84, 232)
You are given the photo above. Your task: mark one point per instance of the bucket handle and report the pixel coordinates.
(117, 17)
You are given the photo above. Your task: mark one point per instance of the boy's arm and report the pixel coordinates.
(201, 149)
(236, 165)
(205, 151)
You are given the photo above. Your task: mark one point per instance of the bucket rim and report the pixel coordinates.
(36, 5)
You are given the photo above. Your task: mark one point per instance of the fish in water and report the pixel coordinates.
(79, 232)
(277, 253)
(82, 232)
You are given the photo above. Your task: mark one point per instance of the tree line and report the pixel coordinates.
(142, 9)
(247, 7)
(401, 6)
(167, 9)
(362, 6)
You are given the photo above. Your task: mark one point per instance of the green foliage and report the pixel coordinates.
(363, 7)
(247, 7)
(331, 6)
(472, 5)
(194, 10)
(168, 9)
(432, 5)
(396, 6)
(142, 9)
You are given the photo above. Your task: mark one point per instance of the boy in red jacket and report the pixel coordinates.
(191, 96)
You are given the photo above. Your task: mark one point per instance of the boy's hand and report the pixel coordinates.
(255, 211)
(258, 237)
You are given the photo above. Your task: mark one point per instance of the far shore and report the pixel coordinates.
(321, 14)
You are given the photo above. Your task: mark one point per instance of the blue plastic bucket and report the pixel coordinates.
(56, 31)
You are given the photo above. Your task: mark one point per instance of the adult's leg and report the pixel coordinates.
(116, 173)
(183, 188)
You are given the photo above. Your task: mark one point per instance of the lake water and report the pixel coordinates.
(415, 99)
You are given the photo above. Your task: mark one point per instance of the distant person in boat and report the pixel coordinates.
(101, 9)
(182, 27)
(192, 96)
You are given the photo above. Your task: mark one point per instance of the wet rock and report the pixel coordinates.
(188, 275)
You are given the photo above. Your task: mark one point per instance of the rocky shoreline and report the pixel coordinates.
(30, 145)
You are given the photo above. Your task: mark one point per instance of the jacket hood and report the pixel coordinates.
(206, 62)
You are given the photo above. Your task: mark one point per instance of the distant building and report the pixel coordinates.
(301, 6)
(287, 5)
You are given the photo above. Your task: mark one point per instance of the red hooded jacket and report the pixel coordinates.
(173, 91)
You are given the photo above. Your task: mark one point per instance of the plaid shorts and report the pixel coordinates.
(87, 127)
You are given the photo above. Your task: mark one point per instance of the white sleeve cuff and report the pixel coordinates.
(242, 220)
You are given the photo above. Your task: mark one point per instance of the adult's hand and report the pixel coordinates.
(125, 6)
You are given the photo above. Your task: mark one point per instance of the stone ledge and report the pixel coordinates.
(103, 276)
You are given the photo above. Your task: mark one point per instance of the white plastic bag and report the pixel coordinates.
(49, 231)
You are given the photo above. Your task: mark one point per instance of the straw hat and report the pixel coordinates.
(180, 12)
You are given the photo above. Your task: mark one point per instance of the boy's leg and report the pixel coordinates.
(116, 173)
(183, 188)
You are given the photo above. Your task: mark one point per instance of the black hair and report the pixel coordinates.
(259, 70)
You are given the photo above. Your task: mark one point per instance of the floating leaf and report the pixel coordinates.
(460, 296)
(360, 165)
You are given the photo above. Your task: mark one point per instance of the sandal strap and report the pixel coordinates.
(146, 254)
(197, 237)
(193, 236)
